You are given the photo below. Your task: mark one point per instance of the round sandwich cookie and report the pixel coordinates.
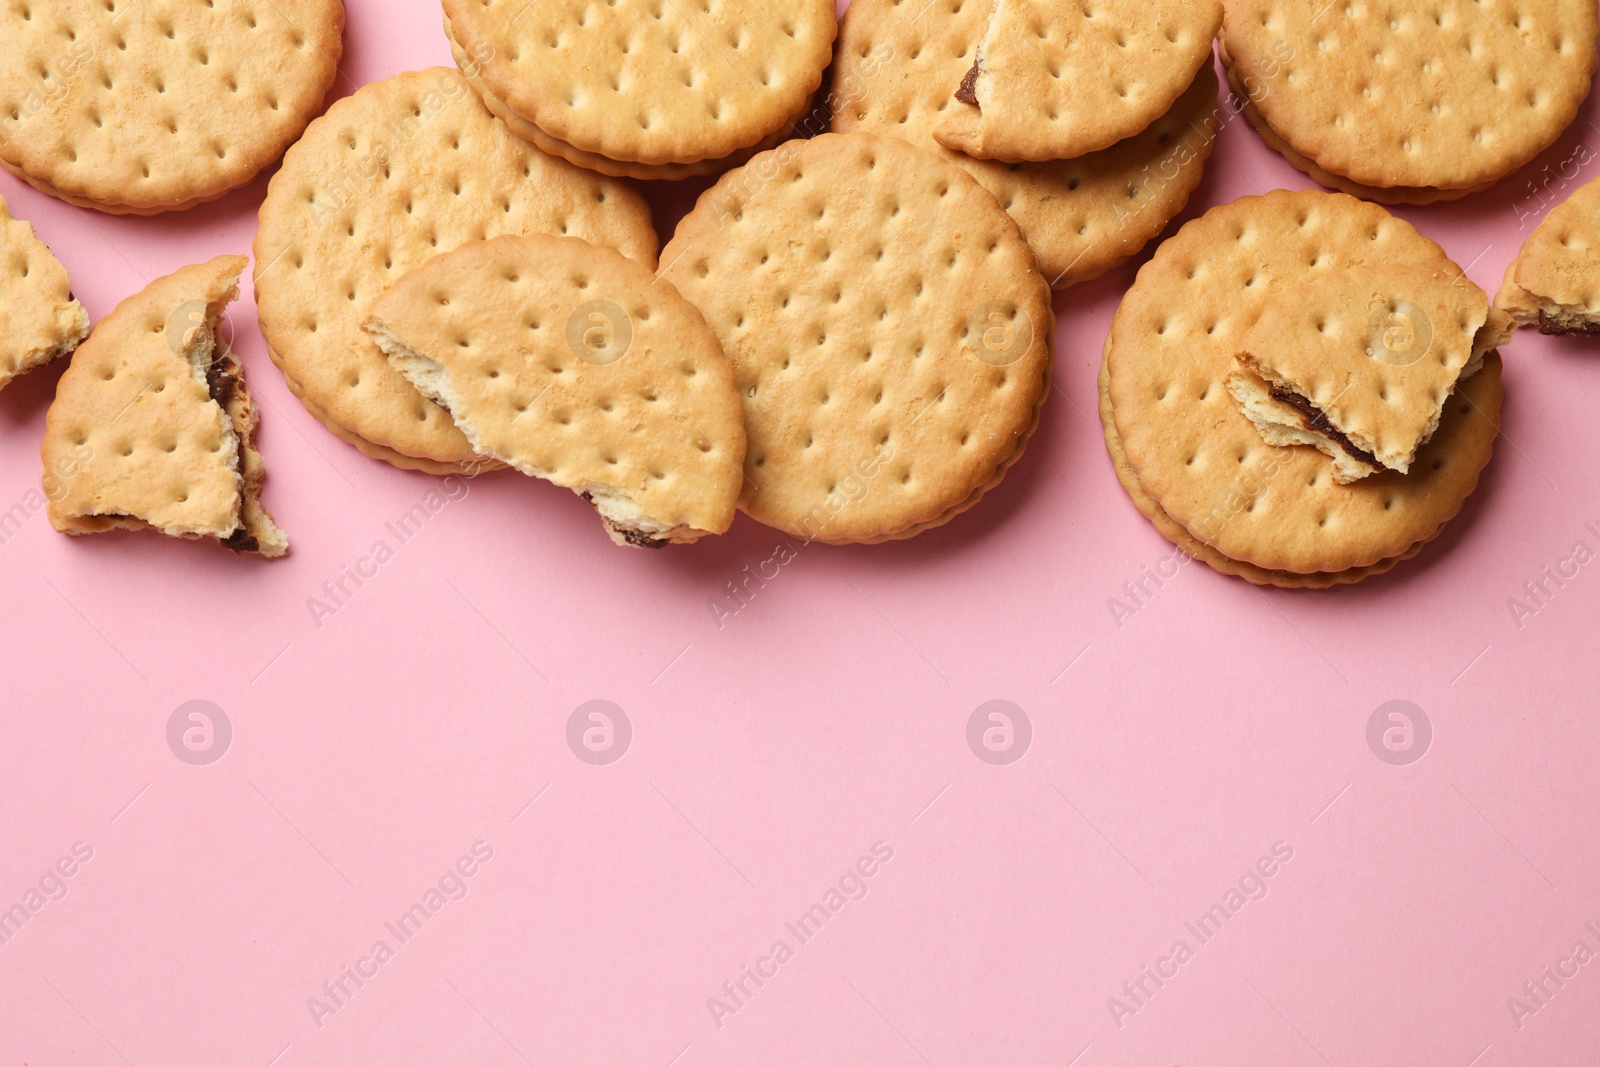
(1199, 467)
(649, 82)
(1554, 283)
(897, 62)
(144, 106)
(889, 331)
(577, 365)
(1049, 80)
(399, 172)
(1410, 104)
(589, 160)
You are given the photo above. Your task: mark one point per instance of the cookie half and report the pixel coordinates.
(1052, 80)
(40, 320)
(1172, 346)
(889, 331)
(1554, 283)
(577, 365)
(1410, 104)
(399, 172)
(650, 81)
(152, 426)
(1360, 363)
(1082, 217)
(143, 106)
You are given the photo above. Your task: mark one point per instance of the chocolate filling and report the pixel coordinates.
(222, 379)
(1315, 421)
(633, 537)
(968, 93)
(1562, 325)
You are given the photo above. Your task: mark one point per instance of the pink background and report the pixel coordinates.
(1169, 753)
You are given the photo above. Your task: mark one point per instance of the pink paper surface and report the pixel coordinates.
(774, 750)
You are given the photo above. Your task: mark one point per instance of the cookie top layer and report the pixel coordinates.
(1558, 269)
(889, 330)
(896, 62)
(402, 170)
(1450, 95)
(135, 437)
(650, 81)
(150, 105)
(1377, 350)
(575, 364)
(39, 318)
(1172, 345)
(1053, 80)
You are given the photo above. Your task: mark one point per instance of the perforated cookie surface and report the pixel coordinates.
(892, 359)
(1449, 95)
(650, 81)
(142, 432)
(1053, 80)
(1172, 345)
(575, 364)
(141, 106)
(897, 61)
(39, 318)
(1377, 350)
(1557, 273)
(390, 177)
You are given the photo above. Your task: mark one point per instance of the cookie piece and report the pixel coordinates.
(1083, 216)
(889, 330)
(1554, 283)
(1411, 104)
(574, 364)
(40, 320)
(1173, 343)
(1053, 80)
(650, 81)
(1203, 552)
(1360, 363)
(402, 170)
(143, 106)
(152, 426)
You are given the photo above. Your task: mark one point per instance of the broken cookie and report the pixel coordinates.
(152, 427)
(1054, 81)
(40, 321)
(575, 364)
(1554, 283)
(1360, 363)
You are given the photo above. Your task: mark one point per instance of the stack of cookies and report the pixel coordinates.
(648, 89)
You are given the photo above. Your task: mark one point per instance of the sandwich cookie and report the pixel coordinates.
(40, 320)
(575, 364)
(1554, 283)
(897, 62)
(143, 106)
(648, 82)
(1410, 104)
(1275, 515)
(399, 172)
(152, 426)
(889, 331)
(1051, 80)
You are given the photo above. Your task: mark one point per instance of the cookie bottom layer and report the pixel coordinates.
(118, 209)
